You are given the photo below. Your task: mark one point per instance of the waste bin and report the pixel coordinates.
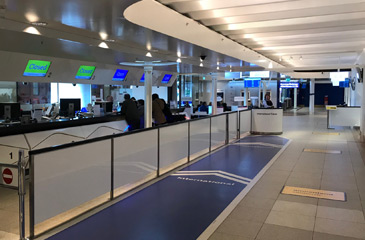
(326, 100)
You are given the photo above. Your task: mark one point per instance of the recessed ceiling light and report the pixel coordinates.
(201, 65)
(179, 54)
(178, 60)
(103, 45)
(39, 23)
(217, 67)
(148, 54)
(103, 35)
(32, 30)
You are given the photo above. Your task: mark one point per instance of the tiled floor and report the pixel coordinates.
(265, 214)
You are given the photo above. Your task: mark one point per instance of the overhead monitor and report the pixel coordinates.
(36, 68)
(85, 72)
(285, 84)
(142, 78)
(120, 75)
(252, 82)
(345, 84)
(166, 78)
(260, 74)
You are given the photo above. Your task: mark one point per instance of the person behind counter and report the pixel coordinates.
(129, 109)
(157, 109)
(203, 107)
(267, 102)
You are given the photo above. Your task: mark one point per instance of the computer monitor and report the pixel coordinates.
(10, 111)
(68, 106)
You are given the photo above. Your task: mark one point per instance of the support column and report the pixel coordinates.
(246, 98)
(214, 94)
(295, 98)
(148, 96)
(263, 91)
(311, 96)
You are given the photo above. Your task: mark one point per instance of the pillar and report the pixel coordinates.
(311, 96)
(295, 98)
(214, 94)
(148, 96)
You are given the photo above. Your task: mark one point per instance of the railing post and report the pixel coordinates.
(189, 141)
(21, 193)
(238, 125)
(158, 152)
(227, 128)
(112, 170)
(210, 134)
(31, 196)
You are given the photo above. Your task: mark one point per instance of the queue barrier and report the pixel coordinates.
(71, 179)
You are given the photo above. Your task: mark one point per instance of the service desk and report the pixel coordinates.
(343, 116)
(267, 121)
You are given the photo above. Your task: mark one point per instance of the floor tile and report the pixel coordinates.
(262, 203)
(340, 214)
(250, 214)
(325, 236)
(295, 208)
(240, 228)
(275, 232)
(349, 204)
(299, 199)
(291, 220)
(342, 228)
(226, 236)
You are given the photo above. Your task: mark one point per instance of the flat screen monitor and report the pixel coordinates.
(142, 78)
(285, 84)
(10, 111)
(36, 68)
(166, 78)
(85, 72)
(68, 106)
(120, 75)
(252, 83)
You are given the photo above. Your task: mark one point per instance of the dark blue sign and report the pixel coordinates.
(120, 75)
(344, 84)
(289, 84)
(142, 78)
(166, 78)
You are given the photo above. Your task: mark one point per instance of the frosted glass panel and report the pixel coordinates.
(67, 178)
(199, 137)
(218, 131)
(135, 160)
(245, 122)
(173, 146)
(232, 120)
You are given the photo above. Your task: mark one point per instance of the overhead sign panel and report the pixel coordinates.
(120, 75)
(252, 82)
(36, 68)
(289, 84)
(166, 78)
(260, 74)
(85, 72)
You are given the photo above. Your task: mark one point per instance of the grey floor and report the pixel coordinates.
(265, 214)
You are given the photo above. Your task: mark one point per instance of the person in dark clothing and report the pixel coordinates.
(203, 107)
(129, 109)
(167, 112)
(140, 108)
(157, 110)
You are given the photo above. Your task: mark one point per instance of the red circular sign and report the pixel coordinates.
(7, 176)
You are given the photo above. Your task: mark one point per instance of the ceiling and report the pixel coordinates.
(75, 28)
(296, 33)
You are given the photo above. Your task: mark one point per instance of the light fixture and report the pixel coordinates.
(300, 58)
(270, 65)
(201, 65)
(103, 35)
(217, 67)
(103, 45)
(179, 54)
(280, 59)
(178, 60)
(39, 24)
(32, 30)
(131, 86)
(230, 70)
(148, 54)
(202, 58)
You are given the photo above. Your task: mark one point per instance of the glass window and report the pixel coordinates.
(8, 92)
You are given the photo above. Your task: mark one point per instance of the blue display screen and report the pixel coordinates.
(289, 84)
(344, 84)
(252, 82)
(120, 75)
(166, 78)
(142, 78)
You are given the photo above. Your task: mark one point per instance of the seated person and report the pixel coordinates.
(267, 102)
(203, 107)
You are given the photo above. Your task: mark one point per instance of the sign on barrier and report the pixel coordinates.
(9, 176)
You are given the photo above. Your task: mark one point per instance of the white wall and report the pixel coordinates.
(67, 90)
(356, 96)
(138, 93)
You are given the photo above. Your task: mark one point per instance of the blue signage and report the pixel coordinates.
(289, 84)
(120, 75)
(344, 84)
(166, 78)
(142, 78)
(252, 82)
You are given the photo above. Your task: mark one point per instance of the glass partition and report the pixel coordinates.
(70, 181)
(135, 160)
(199, 137)
(173, 146)
(232, 123)
(245, 122)
(218, 135)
